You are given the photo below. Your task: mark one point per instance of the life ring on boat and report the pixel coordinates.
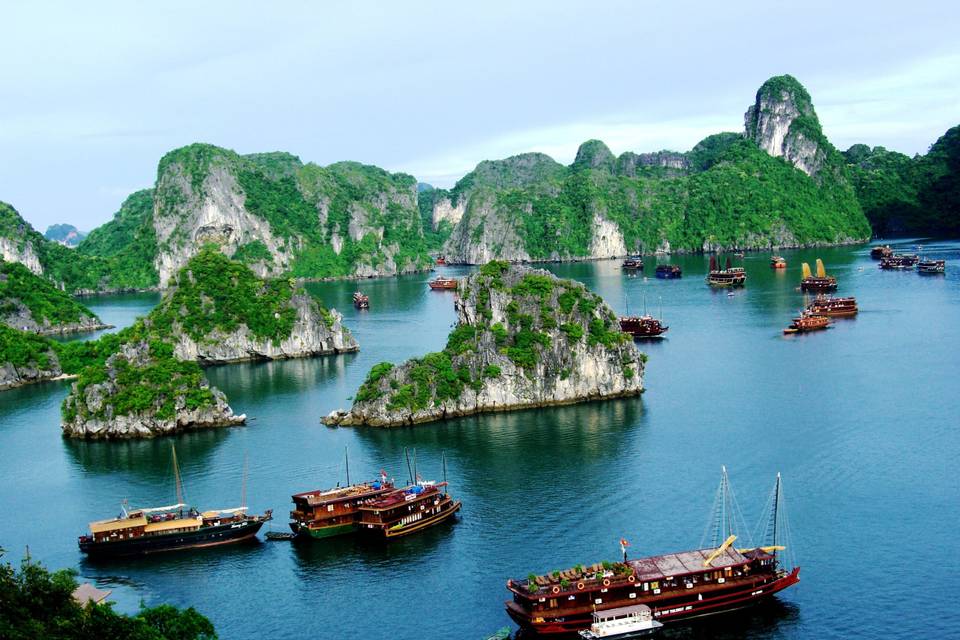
(631, 578)
(606, 582)
(580, 586)
(556, 589)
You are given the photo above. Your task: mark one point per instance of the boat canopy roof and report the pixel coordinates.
(172, 507)
(621, 612)
(677, 564)
(115, 524)
(179, 523)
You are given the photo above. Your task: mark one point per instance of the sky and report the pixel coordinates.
(92, 94)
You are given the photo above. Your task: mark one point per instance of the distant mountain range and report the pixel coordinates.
(65, 234)
(779, 183)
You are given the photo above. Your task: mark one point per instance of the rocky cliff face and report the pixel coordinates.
(524, 338)
(487, 231)
(280, 216)
(25, 358)
(218, 311)
(783, 123)
(315, 332)
(185, 219)
(731, 191)
(445, 210)
(23, 252)
(143, 393)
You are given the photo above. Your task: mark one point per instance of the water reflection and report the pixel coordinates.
(148, 459)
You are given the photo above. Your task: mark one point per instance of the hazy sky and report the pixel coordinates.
(92, 94)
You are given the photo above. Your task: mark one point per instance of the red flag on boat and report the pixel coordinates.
(624, 543)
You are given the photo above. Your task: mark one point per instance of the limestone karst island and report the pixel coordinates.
(499, 321)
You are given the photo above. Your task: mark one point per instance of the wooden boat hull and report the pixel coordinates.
(668, 275)
(227, 533)
(319, 533)
(420, 525)
(666, 609)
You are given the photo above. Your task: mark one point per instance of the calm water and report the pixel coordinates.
(862, 420)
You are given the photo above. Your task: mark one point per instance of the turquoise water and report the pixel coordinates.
(862, 420)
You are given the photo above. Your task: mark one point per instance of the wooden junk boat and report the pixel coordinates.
(441, 259)
(645, 326)
(668, 271)
(642, 326)
(632, 263)
(778, 262)
(932, 266)
(175, 527)
(727, 277)
(833, 307)
(416, 507)
(443, 283)
(807, 322)
(326, 513)
(361, 300)
(881, 251)
(675, 586)
(819, 282)
(899, 261)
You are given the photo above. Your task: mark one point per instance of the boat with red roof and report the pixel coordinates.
(416, 507)
(675, 586)
(442, 283)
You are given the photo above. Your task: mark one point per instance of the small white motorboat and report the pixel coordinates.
(622, 623)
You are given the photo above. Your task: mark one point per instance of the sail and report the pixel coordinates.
(806, 270)
(821, 272)
(713, 263)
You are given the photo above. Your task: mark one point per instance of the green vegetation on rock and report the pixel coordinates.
(903, 195)
(214, 292)
(524, 329)
(45, 302)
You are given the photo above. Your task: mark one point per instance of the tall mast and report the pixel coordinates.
(661, 308)
(416, 478)
(176, 475)
(443, 461)
(346, 458)
(243, 482)
(776, 508)
(406, 454)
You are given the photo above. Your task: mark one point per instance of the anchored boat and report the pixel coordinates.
(361, 300)
(632, 263)
(729, 276)
(645, 326)
(932, 266)
(778, 262)
(899, 261)
(881, 251)
(414, 508)
(807, 322)
(326, 513)
(819, 282)
(668, 271)
(675, 586)
(170, 528)
(834, 307)
(443, 283)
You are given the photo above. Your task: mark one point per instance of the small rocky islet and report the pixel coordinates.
(523, 338)
(146, 381)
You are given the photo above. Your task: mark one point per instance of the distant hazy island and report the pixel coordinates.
(778, 183)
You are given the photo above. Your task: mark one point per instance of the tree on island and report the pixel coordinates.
(35, 603)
